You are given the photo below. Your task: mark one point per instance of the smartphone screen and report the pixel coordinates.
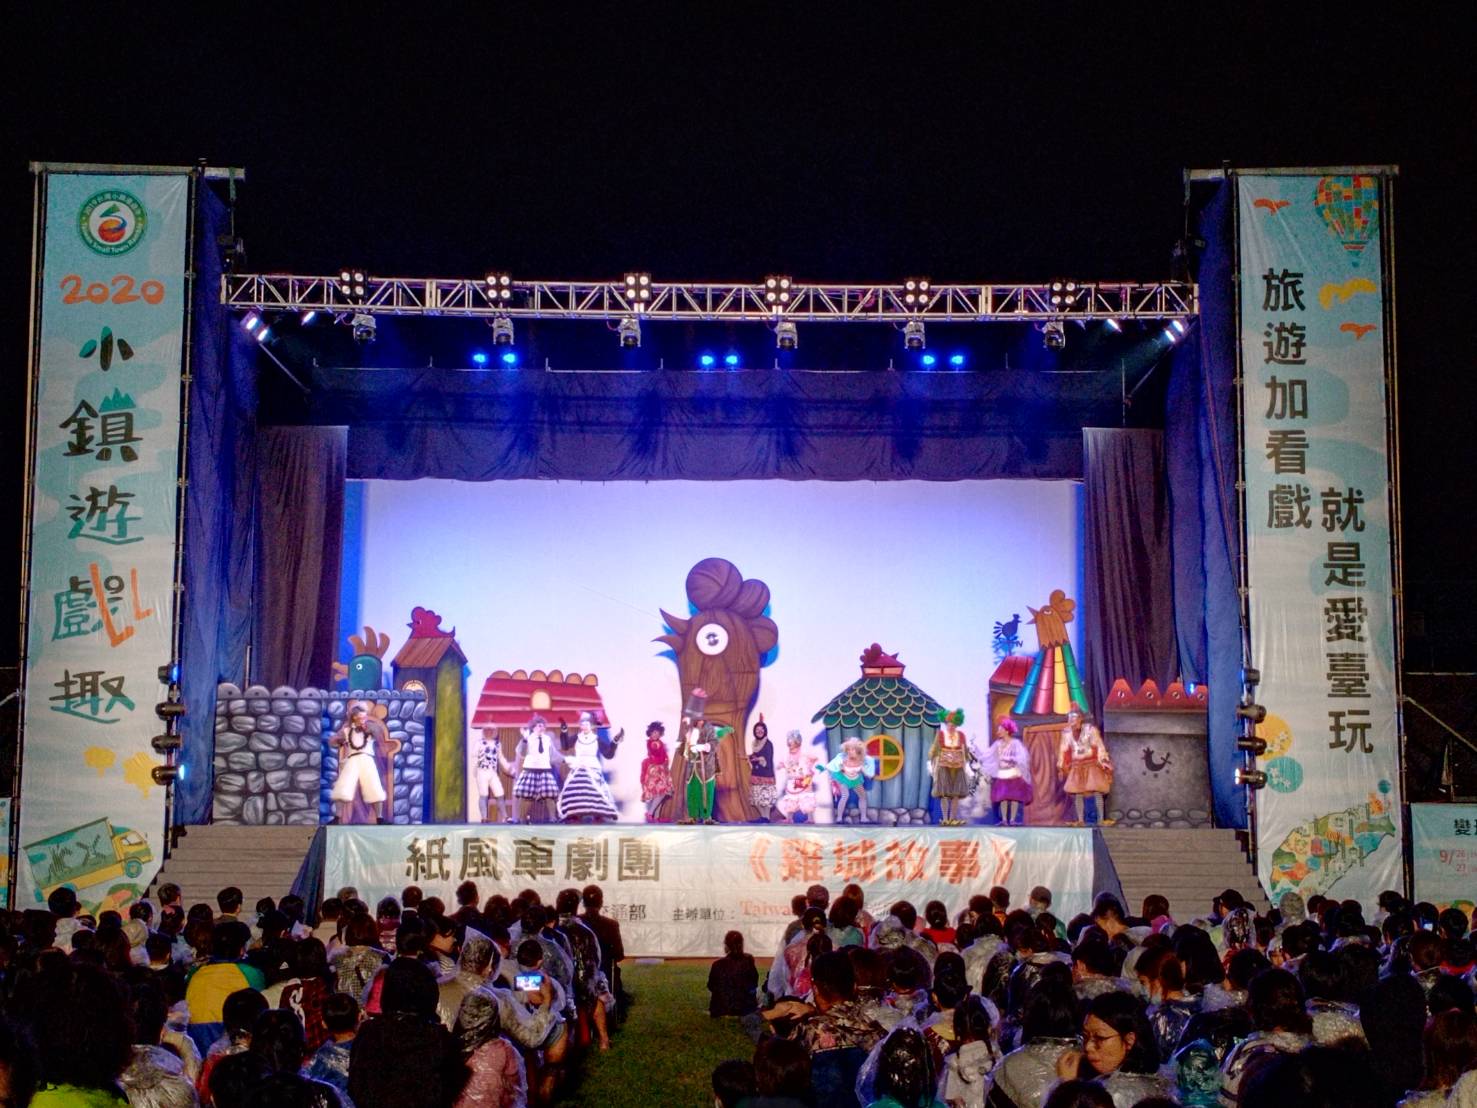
(528, 982)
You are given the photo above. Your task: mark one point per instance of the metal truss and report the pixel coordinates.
(608, 300)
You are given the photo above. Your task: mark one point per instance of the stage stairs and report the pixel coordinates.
(1190, 867)
(260, 861)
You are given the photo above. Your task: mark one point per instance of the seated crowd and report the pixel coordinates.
(1311, 1005)
(401, 1004)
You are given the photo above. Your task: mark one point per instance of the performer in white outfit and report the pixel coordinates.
(358, 770)
(488, 761)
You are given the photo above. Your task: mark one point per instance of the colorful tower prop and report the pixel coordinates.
(1054, 683)
(432, 660)
(897, 720)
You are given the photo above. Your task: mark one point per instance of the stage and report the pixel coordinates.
(676, 890)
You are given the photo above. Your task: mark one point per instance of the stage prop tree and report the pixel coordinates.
(433, 658)
(720, 648)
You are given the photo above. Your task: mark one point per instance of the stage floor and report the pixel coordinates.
(677, 889)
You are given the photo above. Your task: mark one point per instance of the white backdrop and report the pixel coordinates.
(570, 576)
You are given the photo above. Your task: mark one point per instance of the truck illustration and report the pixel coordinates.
(92, 854)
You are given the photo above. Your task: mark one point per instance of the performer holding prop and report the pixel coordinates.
(656, 777)
(1084, 764)
(850, 771)
(358, 771)
(762, 791)
(586, 795)
(798, 800)
(488, 760)
(1007, 763)
(700, 760)
(950, 764)
(536, 783)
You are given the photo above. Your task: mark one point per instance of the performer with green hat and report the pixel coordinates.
(950, 765)
(699, 747)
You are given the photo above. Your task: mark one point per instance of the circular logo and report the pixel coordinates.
(1284, 774)
(1278, 735)
(112, 222)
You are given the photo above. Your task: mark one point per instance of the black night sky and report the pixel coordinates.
(840, 142)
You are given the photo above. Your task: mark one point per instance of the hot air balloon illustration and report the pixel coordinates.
(1350, 209)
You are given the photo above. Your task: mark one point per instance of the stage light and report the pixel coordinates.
(250, 322)
(927, 360)
(1169, 335)
(479, 358)
(1178, 325)
(917, 292)
(353, 285)
(1054, 335)
(263, 333)
(163, 744)
(1068, 296)
(1251, 778)
(510, 358)
(1254, 745)
(638, 291)
(731, 360)
(628, 331)
(778, 292)
(956, 360)
(165, 775)
(502, 331)
(706, 361)
(363, 327)
(1252, 713)
(914, 336)
(1251, 677)
(498, 288)
(169, 709)
(309, 315)
(169, 673)
(1113, 325)
(785, 335)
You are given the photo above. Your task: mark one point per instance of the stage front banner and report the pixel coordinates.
(677, 890)
(111, 293)
(1315, 429)
(1444, 848)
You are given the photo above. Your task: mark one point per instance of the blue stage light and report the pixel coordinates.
(1178, 325)
(250, 322)
(510, 358)
(184, 771)
(1169, 334)
(1113, 325)
(927, 360)
(706, 361)
(309, 316)
(956, 360)
(479, 358)
(730, 360)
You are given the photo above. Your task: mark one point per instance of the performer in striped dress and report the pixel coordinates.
(585, 795)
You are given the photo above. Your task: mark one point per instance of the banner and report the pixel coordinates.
(1316, 469)
(111, 293)
(676, 891)
(1444, 847)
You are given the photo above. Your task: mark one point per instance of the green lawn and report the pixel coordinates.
(666, 1051)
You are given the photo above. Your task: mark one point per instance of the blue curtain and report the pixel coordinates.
(216, 606)
(1202, 467)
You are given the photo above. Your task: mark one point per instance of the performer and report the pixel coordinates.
(1007, 764)
(761, 771)
(1084, 764)
(536, 783)
(489, 763)
(700, 765)
(797, 802)
(950, 764)
(358, 772)
(656, 778)
(850, 771)
(586, 795)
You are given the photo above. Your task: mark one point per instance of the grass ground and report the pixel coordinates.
(665, 1053)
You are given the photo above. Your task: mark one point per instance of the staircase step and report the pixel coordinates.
(1187, 867)
(260, 861)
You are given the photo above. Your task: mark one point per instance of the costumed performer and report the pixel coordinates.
(850, 771)
(797, 802)
(536, 783)
(586, 795)
(951, 765)
(1007, 763)
(699, 750)
(761, 771)
(656, 778)
(358, 770)
(1084, 764)
(488, 766)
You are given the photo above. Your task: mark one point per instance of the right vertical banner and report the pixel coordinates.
(1318, 531)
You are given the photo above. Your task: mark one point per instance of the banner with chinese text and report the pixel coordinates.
(1444, 848)
(112, 296)
(1318, 532)
(676, 891)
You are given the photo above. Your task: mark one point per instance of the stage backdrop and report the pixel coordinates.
(573, 576)
(1313, 349)
(1444, 847)
(111, 291)
(676, 890)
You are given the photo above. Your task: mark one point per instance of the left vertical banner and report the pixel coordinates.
(111, 294)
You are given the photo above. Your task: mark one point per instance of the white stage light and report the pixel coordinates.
(914, 336)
